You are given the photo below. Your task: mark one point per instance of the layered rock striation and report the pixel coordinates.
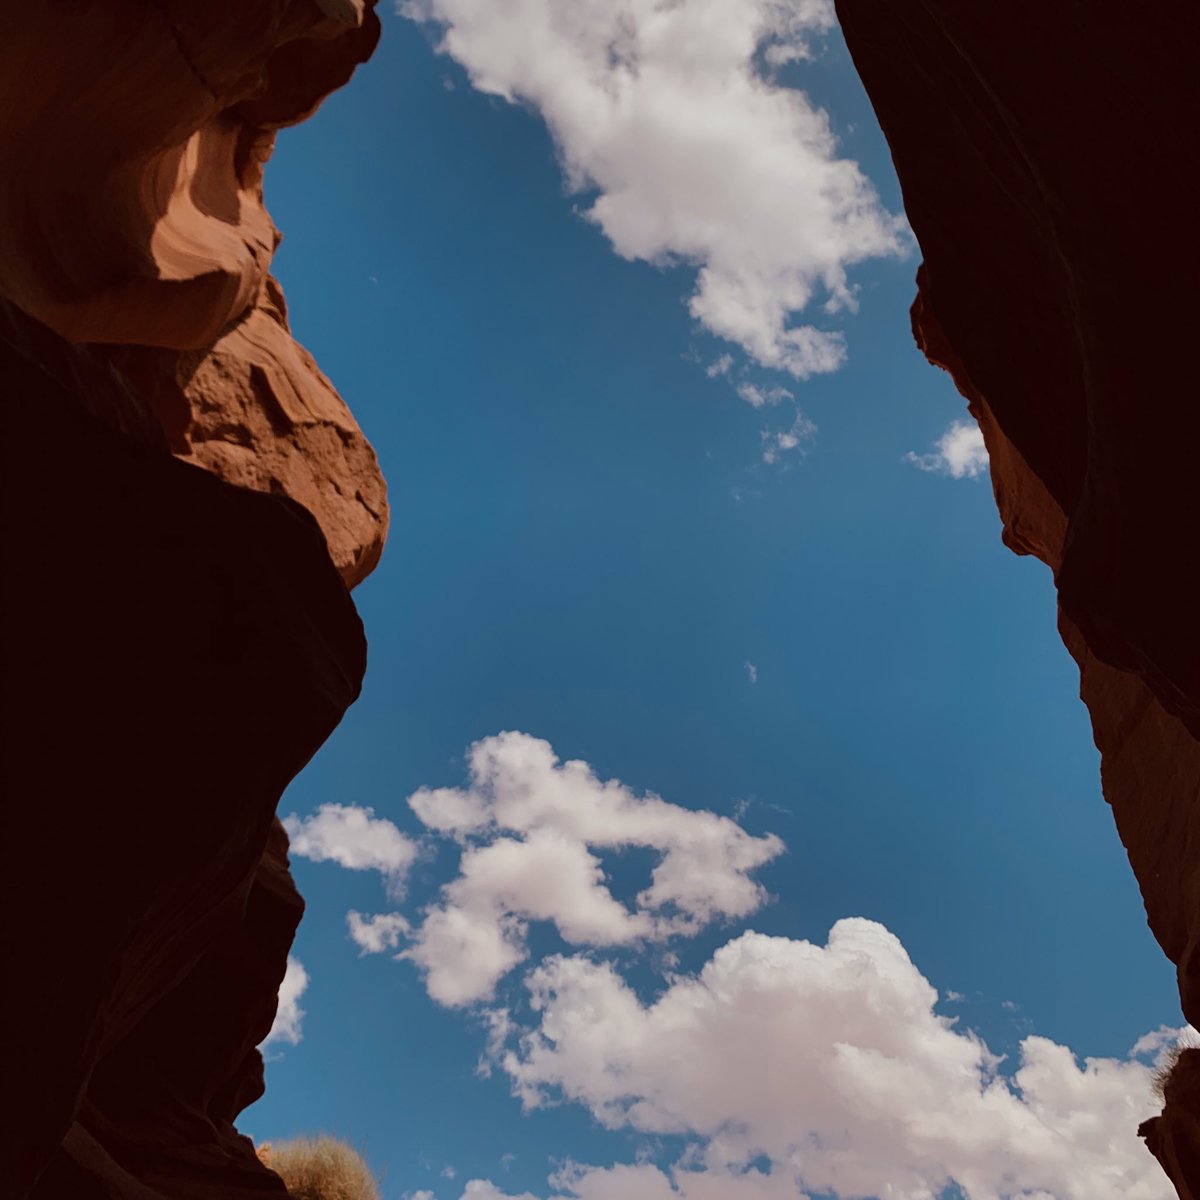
(186, 501)
(1040, 151)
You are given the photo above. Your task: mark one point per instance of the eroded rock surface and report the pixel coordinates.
(186, 499)
(1037, 147)
(133, 137)
(255, 409)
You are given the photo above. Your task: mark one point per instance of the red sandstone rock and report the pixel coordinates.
(132, 143)
(1038, 151)
(294, 432)
(177, 641)
(133, 137)
(255, 409)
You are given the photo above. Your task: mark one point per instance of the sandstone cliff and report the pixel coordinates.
(1041, 151)
(186, 499)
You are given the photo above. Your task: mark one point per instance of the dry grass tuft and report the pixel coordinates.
(1177, 1074)
(1162, 1072)
(321, 1168)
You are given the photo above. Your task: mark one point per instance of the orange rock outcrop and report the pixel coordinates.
(1040, 155)
(132, 145)
(186, 501)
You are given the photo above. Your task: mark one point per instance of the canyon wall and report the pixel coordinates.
(1043, 154)
(186, 502)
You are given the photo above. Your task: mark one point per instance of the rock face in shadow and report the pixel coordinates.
(1038, 148)
(186, 500)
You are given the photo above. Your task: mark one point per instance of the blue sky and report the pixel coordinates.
(590, 547)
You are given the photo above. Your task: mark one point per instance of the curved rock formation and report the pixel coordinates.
(132, 146)
(133, 141)
(1038, 151)
(255, 409)
(186, 499)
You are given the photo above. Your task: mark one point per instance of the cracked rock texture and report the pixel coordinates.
(1040, 151)
(186, 500)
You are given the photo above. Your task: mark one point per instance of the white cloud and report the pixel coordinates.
(423, 1194)
(959, 452)
(831, 1062)
(823, 1069)
(484, 1189)
(1158, 1043)
(355, 838)
(642, 1181)
(465, 953)
(719, 366)
(758, 397)
(669, 119)
(751, 671)
(289, 1014)
(777, 443)
(529, 825)
(375, 934)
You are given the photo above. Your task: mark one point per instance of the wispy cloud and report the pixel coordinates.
(1161, 1041)
(776, 443)
(759, 396)
(670, 120)
(959, 453)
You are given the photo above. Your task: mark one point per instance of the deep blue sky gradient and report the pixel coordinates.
(585, 547)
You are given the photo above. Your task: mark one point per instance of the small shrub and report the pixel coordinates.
(321, 1168)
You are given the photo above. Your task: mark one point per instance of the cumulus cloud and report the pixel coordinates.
(959, 452)
(831, 1063)
(375, 934)
(788, 1068)
(353, 837)
(529, 825)
(669, 119)
(289, 1015)
(643, 1181)
(484, 1189)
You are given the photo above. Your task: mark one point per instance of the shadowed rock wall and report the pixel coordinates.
(1040, 148)
(186, 500)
